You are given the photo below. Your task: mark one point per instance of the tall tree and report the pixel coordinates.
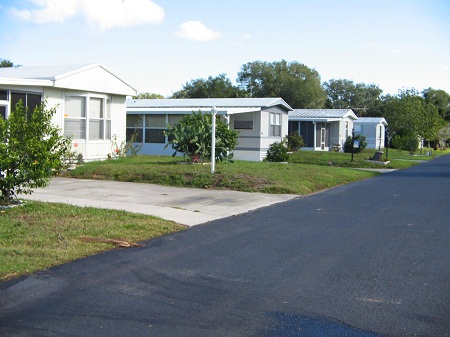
(212, 87)
(440, 99)
(297, 84)
(363, 98)
(6, 64)
(147, 95)
(409, 111)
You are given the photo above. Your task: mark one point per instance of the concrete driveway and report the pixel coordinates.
(186, 206)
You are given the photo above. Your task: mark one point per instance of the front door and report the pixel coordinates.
(323, 137)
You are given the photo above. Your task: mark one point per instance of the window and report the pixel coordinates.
(154, 128)
(85, 117)
(108, 119)
(275, 125)
(3, 111)
(96, 119)
(243, 121)
(75, 117)
(31, 101)
(173, 120)
(3, 95)
(134, 126)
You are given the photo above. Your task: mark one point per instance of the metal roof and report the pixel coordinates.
(56, 75)
(50, 73)
(322, 113)
(193, 103)
(372, 120)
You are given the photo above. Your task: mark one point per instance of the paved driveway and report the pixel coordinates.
(187, 206)
(366, 259)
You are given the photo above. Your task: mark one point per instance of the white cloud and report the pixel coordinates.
(105, 14)
(195, 30)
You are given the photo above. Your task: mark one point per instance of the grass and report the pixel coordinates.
(398, 159)
(239, 176)
(39, 235)
(307, 171)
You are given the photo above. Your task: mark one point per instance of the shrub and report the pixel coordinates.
(277, 152)
(405, 140)
(362, 144)
(192, 137)
(294, 141)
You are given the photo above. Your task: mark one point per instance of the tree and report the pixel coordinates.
(148, 95)
(444, 136)
(31, 147)
(440, 99)
(297, 84)
(363, 99)
(409, 111)
(192, 136)
(213, 87)
(6, 64)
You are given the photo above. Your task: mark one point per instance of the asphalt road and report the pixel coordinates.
(366, 259)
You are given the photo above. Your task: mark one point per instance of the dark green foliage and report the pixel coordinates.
(405, 140)
(409, 111)
(440, 99)
(294, 141)
(348, 144)
(277, 152)
(213, 87)
(192, 136)
(364, 99)
(297, 84)
(6, 64)
(31, 147)
(148, 95)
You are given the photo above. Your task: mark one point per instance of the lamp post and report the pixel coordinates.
(213, 139)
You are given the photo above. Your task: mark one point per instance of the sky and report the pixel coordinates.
(158, 46)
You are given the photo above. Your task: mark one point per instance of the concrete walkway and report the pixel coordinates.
(186, 206)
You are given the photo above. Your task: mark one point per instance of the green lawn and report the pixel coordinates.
(40, 235)
(307, 171)
(240, 176)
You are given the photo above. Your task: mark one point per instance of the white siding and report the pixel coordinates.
(95, 79)
(90, 150)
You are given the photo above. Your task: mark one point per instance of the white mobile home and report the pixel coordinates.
(374, 128)
(89, 102)
(259, 121)
(322, 129)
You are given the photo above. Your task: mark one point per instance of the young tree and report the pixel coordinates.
(192, 136)
(30, 148)
(297, 84)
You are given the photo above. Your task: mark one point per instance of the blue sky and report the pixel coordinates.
(159, 45)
